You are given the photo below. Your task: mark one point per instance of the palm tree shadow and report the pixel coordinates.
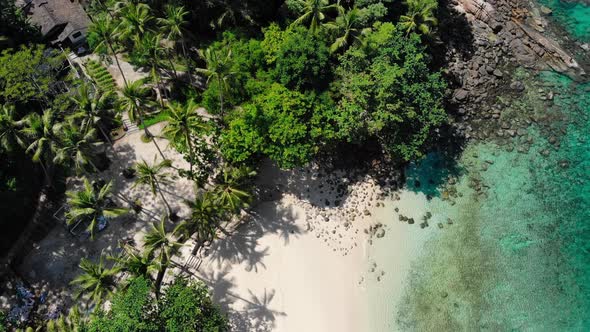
(243, 246)
(221, 285)
(256, 315)
(259, 306)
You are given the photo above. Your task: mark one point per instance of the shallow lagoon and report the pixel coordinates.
(517, 257)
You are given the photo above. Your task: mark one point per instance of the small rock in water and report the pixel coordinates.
(517, 86)
(380, 233)
(411, 221)
(564, 163)
(546, 10)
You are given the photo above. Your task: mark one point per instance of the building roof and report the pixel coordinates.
(49, 14)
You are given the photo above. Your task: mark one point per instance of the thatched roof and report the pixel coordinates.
(51, 16)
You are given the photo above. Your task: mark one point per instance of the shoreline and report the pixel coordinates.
(301, 265)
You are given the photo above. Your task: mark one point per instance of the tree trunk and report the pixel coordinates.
(117, 61)
(196, 248)
(160, 277)
(190, 151)
(46, 172)
(220, 98)
(172, 66)
(168, 207)
(105, 134)
(188, 63)
(147, 132)
(155, 143)
(159, 86)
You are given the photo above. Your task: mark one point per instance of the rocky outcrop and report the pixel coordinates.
(505, 34)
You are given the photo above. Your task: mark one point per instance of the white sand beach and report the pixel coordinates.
(300, 265)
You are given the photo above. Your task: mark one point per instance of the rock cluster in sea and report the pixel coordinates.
(499, 38)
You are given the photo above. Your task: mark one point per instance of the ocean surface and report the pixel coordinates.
(512, 251)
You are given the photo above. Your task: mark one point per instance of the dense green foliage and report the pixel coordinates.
(382, 90)
(14, 29)
(27, 73)
(279, 123)
(131, 310)
(388, 92)
(300, 59)
(184, 306)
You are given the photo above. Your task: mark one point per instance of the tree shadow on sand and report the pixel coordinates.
(254, 313)
(243, 246)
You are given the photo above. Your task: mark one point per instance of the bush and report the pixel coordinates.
(301, 59)
(389, 93)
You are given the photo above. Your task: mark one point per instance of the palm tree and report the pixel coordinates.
(90, 205)
(138, 264)
(93, 108)
(154, 177)
(347, 25)
(206, 212)
(153, 51)
(232, 12)
(219, 68)
(183, 120)
(135, 21)
(104, 31)
(11, 135)
(40, 134)
(420, 17)
(231, 190)
(132, 102)
(133, 99)
(314, 13)
(74, 321)
(164, 246)
(75, 147)
(172, 25)
(97, 281)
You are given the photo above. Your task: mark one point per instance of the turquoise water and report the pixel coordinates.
(517, 257)
(574, 16)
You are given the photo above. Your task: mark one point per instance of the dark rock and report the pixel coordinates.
(546, 11)
(517, 86)
(496, 26)
(380, 233)
(461, 94)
